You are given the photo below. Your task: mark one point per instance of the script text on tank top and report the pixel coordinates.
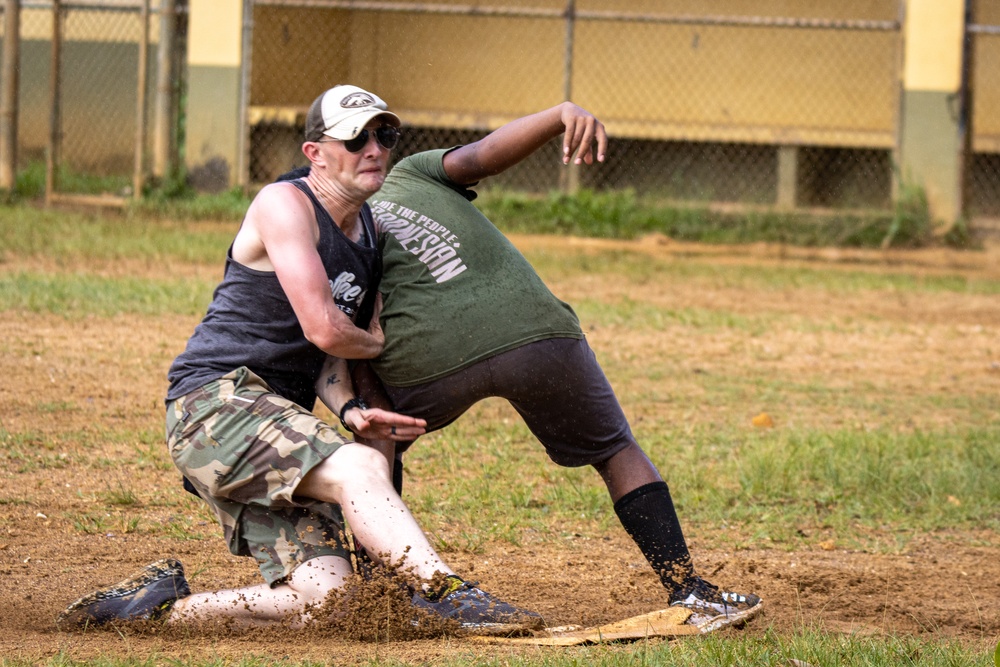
(430, 241)
(346, 294)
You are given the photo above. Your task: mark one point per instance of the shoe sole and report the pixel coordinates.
(499, 629)
(76, 615)
(733, 619)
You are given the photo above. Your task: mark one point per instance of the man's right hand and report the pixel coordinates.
(582, 129)
(378, 424)
(511, 143)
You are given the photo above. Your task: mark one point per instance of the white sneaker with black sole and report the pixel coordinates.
(712, 609)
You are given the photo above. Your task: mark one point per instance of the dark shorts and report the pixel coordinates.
(245, 450)
(557, 387)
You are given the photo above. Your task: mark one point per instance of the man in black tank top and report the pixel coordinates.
(298, 298)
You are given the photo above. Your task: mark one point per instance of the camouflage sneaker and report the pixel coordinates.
(477, 611)
(712, 609)
(148, 595)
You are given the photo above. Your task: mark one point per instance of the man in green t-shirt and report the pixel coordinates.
(466, 317)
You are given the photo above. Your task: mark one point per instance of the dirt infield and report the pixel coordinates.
(69, 389)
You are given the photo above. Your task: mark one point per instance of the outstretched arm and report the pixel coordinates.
(508, 145)
(335, 388)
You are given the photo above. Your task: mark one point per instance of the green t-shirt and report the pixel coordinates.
(455, 290)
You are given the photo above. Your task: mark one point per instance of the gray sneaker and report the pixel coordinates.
(477, 611)
(148, 595)
(712, 609)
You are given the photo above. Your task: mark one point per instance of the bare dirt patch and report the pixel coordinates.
(82, 402)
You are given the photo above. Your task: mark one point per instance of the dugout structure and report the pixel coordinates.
(769, 103)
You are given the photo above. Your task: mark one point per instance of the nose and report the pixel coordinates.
(372, 147)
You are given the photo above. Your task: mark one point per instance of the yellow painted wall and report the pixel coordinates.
(89, 25)
(934, 31)
(646, 80)
(214, 35)
(99, 74)
(873, 10)
(297, 54)
(985, 80)
(745, 84)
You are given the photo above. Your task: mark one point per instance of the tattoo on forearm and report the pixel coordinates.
(332, 380)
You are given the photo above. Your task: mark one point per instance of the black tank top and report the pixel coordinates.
(250, 321)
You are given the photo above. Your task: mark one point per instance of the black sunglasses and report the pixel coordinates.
(386, 135)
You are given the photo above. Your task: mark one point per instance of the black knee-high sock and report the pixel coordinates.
(648, 516)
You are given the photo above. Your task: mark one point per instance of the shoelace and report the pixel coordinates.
(704, 590)
(452, 583)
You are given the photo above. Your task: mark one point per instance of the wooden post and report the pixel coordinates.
(246, 70)
(788, 172)
(138, 176)
(8, 94)
(569, 178)
(164, 103)
(55, 120)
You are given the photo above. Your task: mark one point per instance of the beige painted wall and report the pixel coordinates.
(214, 33)
(213, 112)
(646, 80)
(985, 80)
(693, 82)
(935, 30)
(931, 138)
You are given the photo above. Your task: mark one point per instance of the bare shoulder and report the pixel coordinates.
(279, 211)
(276, 197)
(281, 206)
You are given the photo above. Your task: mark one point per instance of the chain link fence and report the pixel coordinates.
(87, 93)
(797, 110)
(793, 110)
(983, 166)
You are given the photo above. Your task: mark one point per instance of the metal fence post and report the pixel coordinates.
(569, 179)
(55, 115)
(164, 103)
(897, 121)
(138, 176)
(8, 94)
(246, 56)
(965, 120)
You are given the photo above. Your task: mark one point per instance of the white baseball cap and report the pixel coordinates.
(343, 111)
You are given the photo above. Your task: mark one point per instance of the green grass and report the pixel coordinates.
(770, 650)
(624, 215)
(792, 489)
(101, 523)
(30, 182)
(613, 214)
(29, 451)
(79, 294)
(62, 235)
(871, 484)
(68, 239)
(185, 204)
(637, 271)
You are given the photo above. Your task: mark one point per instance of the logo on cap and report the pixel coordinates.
(355, 100)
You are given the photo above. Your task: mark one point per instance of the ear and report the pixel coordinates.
(311, 150)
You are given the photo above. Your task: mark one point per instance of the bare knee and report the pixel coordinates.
(627, 470)
(351, 465)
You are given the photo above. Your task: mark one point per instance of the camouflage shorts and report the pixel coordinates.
(245, 449)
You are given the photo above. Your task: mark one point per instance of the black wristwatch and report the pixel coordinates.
(353, 403)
